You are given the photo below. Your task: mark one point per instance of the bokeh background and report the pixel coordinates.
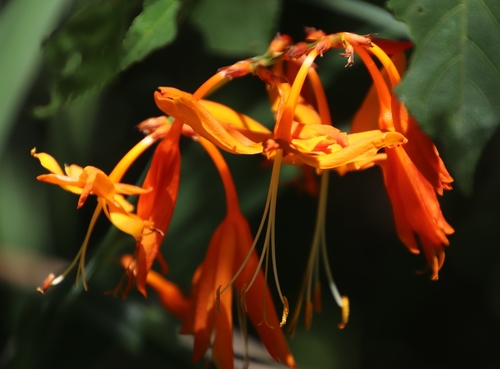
(77, 76)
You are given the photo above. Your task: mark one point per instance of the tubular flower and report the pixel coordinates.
(91, 180)
(317, 145)
(157, 205)
(413, 174)
(293, 140)
(231, 260)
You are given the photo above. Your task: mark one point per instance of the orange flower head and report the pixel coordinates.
(414, 173)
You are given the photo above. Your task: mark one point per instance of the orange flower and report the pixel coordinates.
(157, 206)
(414, 173)
(91, 180)
(230, 259)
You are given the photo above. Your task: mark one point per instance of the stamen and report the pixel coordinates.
(345, 312)
(83, 249)
(286, 310)
(46, 284)
(271, 194)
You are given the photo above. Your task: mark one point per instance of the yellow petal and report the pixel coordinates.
(98, 183)
(48, 162)
(127, 189)
(73, 170)
(121, 201)
(183, 106)
(124, 221)
(361, 146)
(305, 113)
(67, 183)
(236, 119)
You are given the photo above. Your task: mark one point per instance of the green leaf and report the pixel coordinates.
(237, 27)
(452, 85)
(85, 52)
(154, 28)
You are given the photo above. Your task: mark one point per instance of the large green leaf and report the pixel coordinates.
(237, 27)
(154, 28)
(452, 85)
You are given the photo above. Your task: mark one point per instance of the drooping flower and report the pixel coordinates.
(414, 173)
(294, 140)
(231, 261)
(110, 194)
(157, 206)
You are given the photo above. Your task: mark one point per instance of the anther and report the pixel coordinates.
(46, 283)
(286, 310)
(345, 312)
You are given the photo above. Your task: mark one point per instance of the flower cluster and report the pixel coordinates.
(383, 133)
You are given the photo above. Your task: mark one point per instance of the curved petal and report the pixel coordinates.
(48, 162)
(73, 170)
(96, 182)
(183, 106)
(67, 183)
(125, 221)
(127, 189)
(361, 147)
(236, 119)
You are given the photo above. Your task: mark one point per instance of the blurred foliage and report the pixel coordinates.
(77, 76)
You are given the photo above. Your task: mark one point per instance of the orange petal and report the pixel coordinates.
(272, 338)
(96, 182)
(124, 221)
(73, 170)
(361, 146)
(48, 162)
(67, 183)
(235, 119)
(186, 108)
(163, 178)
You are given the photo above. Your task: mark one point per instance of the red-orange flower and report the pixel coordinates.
(157, 206)
(414, 173)
(211, 313)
